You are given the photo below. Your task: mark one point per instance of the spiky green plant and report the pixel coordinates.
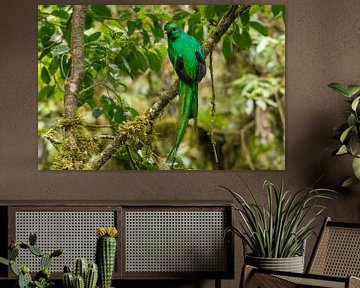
(279, 229)
(106, 254)
(85, 274)
(42, 278)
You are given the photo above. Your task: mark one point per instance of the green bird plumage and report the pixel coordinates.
(187, 57)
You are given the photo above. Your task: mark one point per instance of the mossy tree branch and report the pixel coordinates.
(166, 96)
(73, 83)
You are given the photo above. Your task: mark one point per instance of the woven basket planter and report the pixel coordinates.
(291, 264)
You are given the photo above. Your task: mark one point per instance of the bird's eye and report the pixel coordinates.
(173, 29)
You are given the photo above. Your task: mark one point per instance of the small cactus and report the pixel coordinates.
(84, 274)
(79, 282)
(68, 280)
(23, 273)
(36, 251)
(57, 252)
(13, 253)
(45, 261)
(106, 254)
(80, 268)
(91, 276)
(24, 279)
(14, 268)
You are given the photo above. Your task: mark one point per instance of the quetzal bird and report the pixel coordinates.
(187, 57)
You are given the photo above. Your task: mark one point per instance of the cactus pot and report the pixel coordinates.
(291, 264)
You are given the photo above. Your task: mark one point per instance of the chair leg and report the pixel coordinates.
(246, 274)
(217, 283)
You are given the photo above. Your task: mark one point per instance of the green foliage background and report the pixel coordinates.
(126, 67)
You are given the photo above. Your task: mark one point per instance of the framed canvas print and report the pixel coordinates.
(161, 87)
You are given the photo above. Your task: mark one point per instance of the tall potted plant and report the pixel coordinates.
(348, 132)
(275, 234)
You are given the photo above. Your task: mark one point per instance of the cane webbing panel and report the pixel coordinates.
(175, 241)
(313, 282)
(338, 252)
(74, 231)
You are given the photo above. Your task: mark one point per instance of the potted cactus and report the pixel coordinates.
(42, 278)
(84, 275)
(106, 254)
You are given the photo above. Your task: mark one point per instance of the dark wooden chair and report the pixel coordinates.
(335, 262)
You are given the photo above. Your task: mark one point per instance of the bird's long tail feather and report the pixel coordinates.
(188, 108)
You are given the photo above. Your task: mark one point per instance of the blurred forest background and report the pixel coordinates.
(127, 67)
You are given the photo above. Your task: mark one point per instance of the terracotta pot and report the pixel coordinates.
(291, 264)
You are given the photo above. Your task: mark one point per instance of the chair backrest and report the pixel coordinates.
(337, 251)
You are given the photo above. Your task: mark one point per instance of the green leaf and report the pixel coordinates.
(254, 9)
(146, 38)
(45, 77)
(209, 12)
(356, 167)
(61, 14)
(119, 116)
(122, 63)
(349, 182)
(180, 15)
(245, 17)
(353, 89)
(157, 31)
(54, 65)
(277, 9)
(345, 134)
(97, 112)
(46, 92)
(137, 61)
(154, 61)
(247, 39)
(60, 50)
(131, 27)
(259, 28)
(355, 103)
(45, 33)
(340, 88)
(342, 150)
(221, 9)
(242, 40)
(227, 47)
(4, 261)
(101, 10)
(94, 37)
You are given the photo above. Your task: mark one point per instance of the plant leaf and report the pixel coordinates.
(349, 182)
(227, 47)
(45, 77)
(353, 89)
(62, 49)
(245, 17)
(355, 103)
(340, 88)
(342, 150)
(259, 28)
(356, 167)
(345, 134)
(101, 10)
